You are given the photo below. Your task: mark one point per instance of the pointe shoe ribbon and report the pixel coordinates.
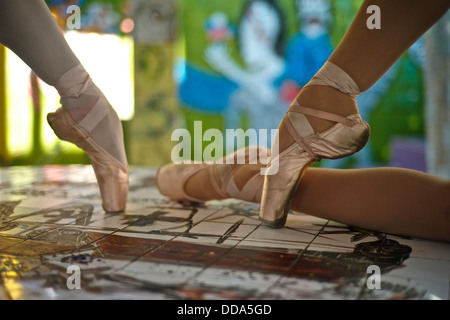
(222, 175)
(172, 178)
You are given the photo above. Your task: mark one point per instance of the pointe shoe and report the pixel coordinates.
(285, 170)
(111, 174)
(171, 179)
(97, 130)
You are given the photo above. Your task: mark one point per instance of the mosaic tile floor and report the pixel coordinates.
(57, 243)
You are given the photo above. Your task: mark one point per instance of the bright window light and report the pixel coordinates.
(109, 59)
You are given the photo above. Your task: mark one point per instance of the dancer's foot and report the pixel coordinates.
(308, 133)
(203, 182)
(88, 120)
(319, 97)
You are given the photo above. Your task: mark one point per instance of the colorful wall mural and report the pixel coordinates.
(230, 64)
(246, 60)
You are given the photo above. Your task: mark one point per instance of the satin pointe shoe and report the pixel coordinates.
(111, 173)
(285, 170)
(172, 178)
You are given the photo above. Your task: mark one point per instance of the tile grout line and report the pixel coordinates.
(300, 254)
(219, 257)
(121, 230)
(159, 246)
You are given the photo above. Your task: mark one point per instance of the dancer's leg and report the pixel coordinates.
(392, 200)
(328, 100)
(28, 28)
(366, 54)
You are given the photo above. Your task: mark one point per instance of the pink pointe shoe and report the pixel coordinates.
(172, 178)
(285, 170)
(111, 173)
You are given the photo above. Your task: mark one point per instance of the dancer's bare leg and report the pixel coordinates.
(366, 54)
(392, 200)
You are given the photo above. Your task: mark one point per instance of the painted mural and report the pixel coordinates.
(230, 64)
(246, 60)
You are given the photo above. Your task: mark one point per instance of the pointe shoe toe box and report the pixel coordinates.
(111, 174)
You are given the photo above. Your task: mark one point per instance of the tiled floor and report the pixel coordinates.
(51, 221)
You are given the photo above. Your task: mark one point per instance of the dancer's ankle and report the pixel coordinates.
(207, 192)
(78, 92)
(245, 172)
(78, 113)
(326, 99)
(321, 98)
(80, 96)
